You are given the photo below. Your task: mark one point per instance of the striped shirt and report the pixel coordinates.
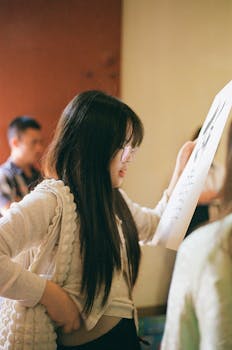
(14, 184)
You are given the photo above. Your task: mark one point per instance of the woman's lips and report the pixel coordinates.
(122, 173)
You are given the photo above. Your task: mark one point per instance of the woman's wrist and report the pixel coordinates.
(47, 294)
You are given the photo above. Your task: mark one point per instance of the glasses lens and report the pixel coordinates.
(125, 154)
(128, 153)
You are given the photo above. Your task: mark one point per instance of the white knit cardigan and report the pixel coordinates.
(23, 328)
(30, 328)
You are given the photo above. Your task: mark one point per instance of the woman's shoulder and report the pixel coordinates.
(59, 194)
(55, 187)
(41, 196)
(208, 238)
(50, 183)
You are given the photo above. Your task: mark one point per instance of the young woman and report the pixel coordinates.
(199, 314)
(84, 232)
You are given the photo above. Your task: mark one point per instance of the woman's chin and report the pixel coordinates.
(118, 183)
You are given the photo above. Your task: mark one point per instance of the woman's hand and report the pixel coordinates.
(60, 307)
(181, 161)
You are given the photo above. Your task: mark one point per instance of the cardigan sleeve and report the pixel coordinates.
(146, 219)
(24, 226)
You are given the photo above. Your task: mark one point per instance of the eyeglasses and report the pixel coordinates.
(128, 153)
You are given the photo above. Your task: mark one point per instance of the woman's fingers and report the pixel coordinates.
(184, 154)
(70, 327)
(67, 328)
(76, 324)
(181, 161)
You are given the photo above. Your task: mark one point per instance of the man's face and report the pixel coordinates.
(29, 146)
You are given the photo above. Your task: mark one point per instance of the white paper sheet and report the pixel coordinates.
(182, 203)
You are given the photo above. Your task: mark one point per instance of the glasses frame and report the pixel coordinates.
(128, 153)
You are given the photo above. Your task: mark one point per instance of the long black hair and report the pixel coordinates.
(92, 128)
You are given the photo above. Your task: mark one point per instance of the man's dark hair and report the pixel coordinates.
(20, 124)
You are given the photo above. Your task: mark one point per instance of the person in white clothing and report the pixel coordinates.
(84, 232)
(199, 313)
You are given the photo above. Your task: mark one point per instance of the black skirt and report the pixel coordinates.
(122, 337)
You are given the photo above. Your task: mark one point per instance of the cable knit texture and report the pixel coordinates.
(23, 328)
(47, 220)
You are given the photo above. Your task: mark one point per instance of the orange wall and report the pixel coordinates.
(49, 51)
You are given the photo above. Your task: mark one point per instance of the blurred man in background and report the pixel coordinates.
(20, 171)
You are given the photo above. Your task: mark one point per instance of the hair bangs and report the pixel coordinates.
(135, 131)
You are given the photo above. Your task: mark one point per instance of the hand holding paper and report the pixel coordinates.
(175, 219)
(181, 161)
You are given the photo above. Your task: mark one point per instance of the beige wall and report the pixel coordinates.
(176, 55)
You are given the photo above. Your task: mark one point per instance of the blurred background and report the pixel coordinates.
(167, 59)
